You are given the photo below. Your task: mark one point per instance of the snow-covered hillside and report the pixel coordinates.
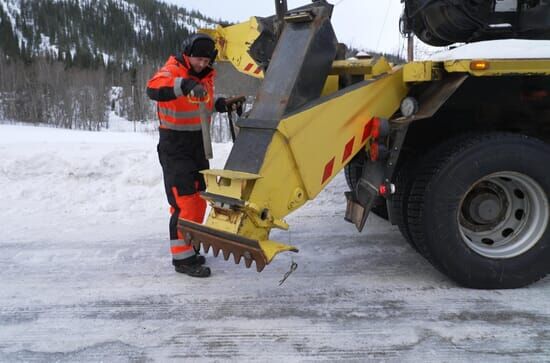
(88, 26)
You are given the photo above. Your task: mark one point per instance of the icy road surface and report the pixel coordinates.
(85, 275)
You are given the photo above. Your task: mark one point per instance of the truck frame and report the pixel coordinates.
(453, 152)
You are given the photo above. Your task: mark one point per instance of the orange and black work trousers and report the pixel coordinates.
(181, 155)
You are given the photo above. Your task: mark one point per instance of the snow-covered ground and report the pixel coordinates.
(85, 275)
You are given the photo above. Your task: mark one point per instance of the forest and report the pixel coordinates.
(70, 63)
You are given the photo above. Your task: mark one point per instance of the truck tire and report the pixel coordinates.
(479, 211)
(354, 169)
(353, 172)
(399, 201)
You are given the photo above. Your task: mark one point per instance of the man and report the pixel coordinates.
(178, 87)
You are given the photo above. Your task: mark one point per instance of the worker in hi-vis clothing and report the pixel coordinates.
(178, 87)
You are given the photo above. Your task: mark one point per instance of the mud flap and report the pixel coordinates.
(361, 200)
(355, 212)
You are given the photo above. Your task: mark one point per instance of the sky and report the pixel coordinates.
(363, 24)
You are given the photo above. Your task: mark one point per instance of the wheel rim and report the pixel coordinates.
(503, 215)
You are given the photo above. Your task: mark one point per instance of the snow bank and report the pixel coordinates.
(77, 185)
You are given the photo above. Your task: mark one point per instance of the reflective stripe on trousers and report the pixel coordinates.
(180, 250)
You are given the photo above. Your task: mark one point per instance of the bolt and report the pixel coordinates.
(247, 255)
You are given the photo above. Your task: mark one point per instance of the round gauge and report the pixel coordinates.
(409, 106)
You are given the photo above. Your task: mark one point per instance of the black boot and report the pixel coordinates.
(200, 259)
(194, 260)
(191, 266)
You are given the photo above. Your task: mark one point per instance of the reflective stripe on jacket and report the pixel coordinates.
(181, 113)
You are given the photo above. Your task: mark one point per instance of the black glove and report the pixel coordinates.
(198, 91)
(192, 88)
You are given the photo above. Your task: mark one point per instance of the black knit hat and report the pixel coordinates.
(202, 47)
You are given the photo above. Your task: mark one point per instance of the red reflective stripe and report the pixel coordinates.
(258, 70)
(180, 249)
(248, 67)
(367, 131)
(328, 171)
(348, 149)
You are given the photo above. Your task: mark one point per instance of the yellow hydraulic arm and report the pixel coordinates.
(294, 141)
(307, 150)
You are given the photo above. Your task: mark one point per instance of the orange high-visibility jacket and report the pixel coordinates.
(175, 110)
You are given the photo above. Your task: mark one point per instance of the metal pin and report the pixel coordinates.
(293, 267)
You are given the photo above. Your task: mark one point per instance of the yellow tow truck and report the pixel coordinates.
(454, 151)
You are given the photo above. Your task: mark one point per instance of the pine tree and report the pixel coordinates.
(8, 41)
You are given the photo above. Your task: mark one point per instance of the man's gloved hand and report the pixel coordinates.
(192, 88)
(198, 91)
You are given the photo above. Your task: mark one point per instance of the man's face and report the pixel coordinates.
(199, 63)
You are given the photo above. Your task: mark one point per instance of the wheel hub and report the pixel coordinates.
(503, 215)
(484, 207)
(489, 210)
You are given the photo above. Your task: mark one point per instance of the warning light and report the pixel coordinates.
(386, 189)
(479, 65)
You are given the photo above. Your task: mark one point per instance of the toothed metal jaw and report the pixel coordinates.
(230, 244)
